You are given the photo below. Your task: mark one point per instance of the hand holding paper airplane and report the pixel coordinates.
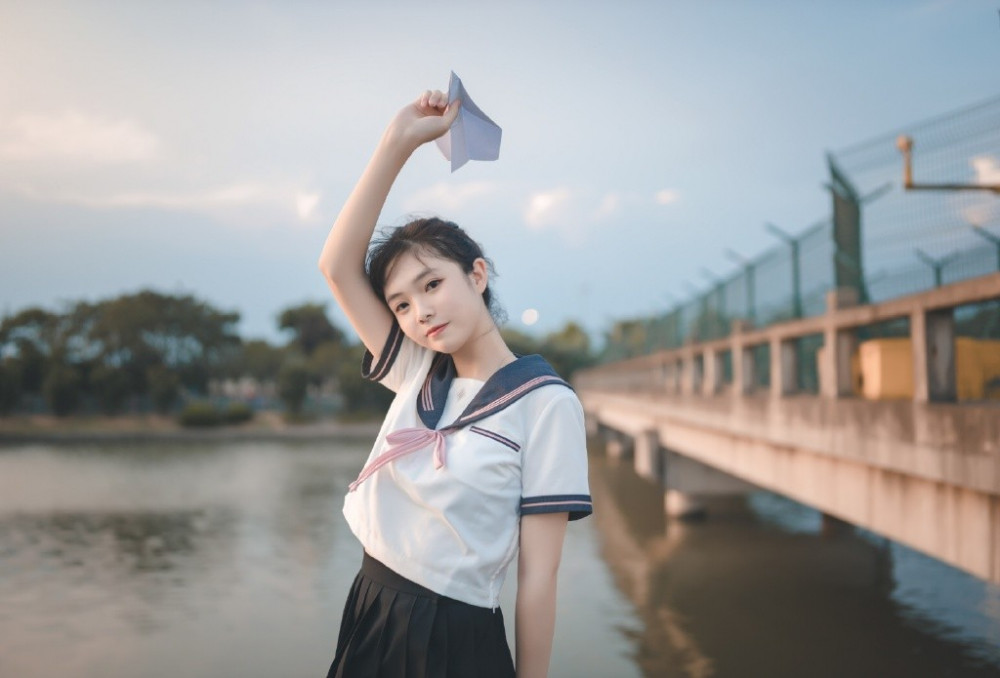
(472, 136)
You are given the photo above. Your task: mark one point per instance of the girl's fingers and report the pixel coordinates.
(435, 99)
(439, 99)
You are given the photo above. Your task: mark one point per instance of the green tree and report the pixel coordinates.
(519, 342)
(164, 388)
(293, 383)
(325, 361)
(111, 387)
(10, 386)
(310, 327)
(32, 339)
(135, 332)
(626, 339)
(260, 360)
(360, 394)
(62, 389)
(568, 349)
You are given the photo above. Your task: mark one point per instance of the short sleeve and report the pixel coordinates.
(398, 362)
(554, 459)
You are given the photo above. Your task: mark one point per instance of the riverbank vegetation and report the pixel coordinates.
(175, 360)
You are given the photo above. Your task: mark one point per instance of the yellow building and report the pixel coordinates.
(883, 369)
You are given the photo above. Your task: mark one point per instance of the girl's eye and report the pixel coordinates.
(432, 284)
(401, 307)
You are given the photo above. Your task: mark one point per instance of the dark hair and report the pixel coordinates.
(446, 239)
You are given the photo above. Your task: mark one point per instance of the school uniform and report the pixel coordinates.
(437, 508)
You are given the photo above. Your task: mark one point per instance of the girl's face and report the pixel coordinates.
(437, 304)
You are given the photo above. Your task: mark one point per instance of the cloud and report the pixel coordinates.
(613, 203)
(447, 198)
(547, 208)
(665, 196)
(609, 205)
(305, 205)
(220, 201)
(75, 136)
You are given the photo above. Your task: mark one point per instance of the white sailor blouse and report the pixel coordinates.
(440, 501)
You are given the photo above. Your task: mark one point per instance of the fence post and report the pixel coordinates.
(848, 268)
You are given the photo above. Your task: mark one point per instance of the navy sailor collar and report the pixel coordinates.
(505, 387)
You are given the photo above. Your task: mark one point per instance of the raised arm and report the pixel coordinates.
(342, 260)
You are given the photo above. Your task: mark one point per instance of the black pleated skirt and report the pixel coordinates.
(395, 628)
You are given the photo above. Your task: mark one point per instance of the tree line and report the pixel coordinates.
(149, 351)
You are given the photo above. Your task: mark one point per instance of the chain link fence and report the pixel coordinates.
(880, 238)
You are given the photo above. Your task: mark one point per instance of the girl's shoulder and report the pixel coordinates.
(555, 399)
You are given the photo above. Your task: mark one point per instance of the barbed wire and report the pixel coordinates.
(911, 240)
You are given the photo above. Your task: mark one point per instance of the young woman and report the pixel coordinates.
(481, 456)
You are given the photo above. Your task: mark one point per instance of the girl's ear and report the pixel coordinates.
(480, 275)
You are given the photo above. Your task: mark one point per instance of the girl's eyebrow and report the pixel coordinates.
(416, 279)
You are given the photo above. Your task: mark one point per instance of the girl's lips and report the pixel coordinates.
(434, 331)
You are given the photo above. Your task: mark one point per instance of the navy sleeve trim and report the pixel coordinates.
(386, 358)
(578, 505)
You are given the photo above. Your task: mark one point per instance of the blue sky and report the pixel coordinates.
(206, 148)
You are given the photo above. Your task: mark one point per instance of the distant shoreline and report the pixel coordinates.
(151, 428)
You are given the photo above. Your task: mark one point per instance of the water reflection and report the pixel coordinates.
(233, 560)
(215, 560)
(759, 589)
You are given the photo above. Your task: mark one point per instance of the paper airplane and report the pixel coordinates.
(473, 136)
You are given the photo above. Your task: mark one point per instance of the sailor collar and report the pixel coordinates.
(505, 387)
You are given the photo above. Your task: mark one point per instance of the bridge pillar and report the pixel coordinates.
(835, 378)
(618, 445)
(678, 504)
(688, 482)
(742, 360)
(784, 364)
(648, 460)
(932, 336)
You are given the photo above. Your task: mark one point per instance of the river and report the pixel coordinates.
(232, 559)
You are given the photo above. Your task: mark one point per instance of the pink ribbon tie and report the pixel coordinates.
(403, 442)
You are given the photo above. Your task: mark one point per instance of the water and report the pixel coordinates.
(224, 560)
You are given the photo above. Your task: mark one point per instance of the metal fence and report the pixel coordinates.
(907, 240)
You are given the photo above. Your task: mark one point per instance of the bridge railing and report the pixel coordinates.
(709, 368)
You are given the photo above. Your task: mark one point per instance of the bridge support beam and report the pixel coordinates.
(618, 445)
(677, 504)
(688, 482)
(648, 457)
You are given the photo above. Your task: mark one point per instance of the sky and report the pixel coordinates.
(206, 148)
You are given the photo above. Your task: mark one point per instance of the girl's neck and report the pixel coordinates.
(483, 355)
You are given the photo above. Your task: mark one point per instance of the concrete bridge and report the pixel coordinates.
(923, 471)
